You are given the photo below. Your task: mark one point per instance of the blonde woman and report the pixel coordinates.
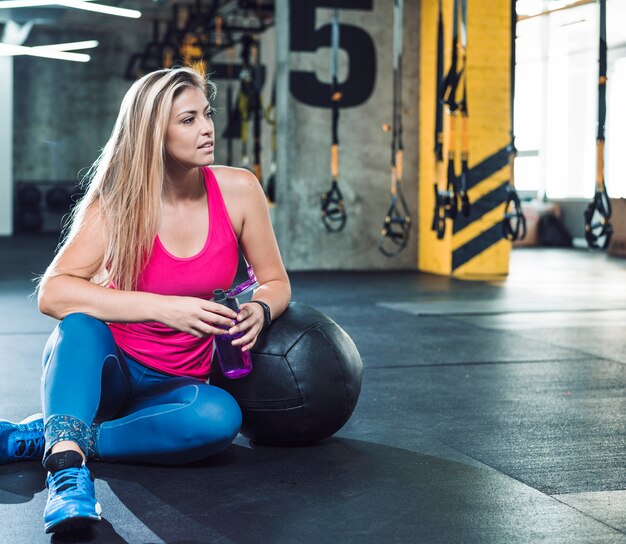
(157, 231)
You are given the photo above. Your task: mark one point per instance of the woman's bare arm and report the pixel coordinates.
(66, 288)
(259, 246)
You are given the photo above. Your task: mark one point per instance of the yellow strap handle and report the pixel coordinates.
(334, 161)
(512, 169)
(218, 31)
(190, 49)
(439, 174)
(168, 59)
(451, 134)
(254, 54)
(394, 180)
(244, 112)
(399, 159)
(439, 165)
(600, 165)
(464, 136)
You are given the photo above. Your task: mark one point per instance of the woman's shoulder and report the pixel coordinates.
(231, 178)
(242, 194)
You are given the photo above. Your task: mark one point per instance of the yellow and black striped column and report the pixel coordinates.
(473, 247)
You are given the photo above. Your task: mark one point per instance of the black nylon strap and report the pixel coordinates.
(333, 210)
(439, 91)
(598, 229)
(454, 197)
(439, 217)
(602, 72)
(514, 222)
(451, 80)
(396, 228)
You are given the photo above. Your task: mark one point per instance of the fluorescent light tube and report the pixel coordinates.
(41, 51)
(70, 46)
(9, 4)
(99, 8)
(86, 5)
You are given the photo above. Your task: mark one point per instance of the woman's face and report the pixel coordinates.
(189, 137)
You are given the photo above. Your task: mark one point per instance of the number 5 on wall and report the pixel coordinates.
(358, 44)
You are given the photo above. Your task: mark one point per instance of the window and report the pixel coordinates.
(556, 99)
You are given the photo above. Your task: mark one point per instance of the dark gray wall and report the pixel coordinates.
(364, 154)
(64, 111)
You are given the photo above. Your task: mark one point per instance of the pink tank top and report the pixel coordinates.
(214, 267)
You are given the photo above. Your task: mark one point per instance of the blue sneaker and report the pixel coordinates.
(72, 500)
(21, 441)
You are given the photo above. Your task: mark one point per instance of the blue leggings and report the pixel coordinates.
(117, 409)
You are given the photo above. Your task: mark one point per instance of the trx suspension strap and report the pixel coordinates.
(464, 112)
(333, 208)
(219, 43)
(244, 100)
(397, 224)
(514, 223)
(257, 109)
(152, 58)
(455, 186)
(598, 230)
(229, 105)
(439, 216)
(270, 117)
(449, 88)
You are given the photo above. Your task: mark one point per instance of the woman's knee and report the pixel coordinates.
(80, 332)
(216, 415)
(83, 324)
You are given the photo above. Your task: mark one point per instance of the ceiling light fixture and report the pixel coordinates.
(46, 51)
(69, 46)
(85, 5)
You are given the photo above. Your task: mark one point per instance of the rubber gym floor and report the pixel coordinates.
(490, 412)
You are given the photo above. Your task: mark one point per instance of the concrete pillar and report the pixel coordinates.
(6, 146)
(474, 246)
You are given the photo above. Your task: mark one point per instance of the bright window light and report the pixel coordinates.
(556, 101)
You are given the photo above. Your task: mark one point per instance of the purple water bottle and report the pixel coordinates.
(233, 362)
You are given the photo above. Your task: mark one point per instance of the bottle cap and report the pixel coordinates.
(219, 296)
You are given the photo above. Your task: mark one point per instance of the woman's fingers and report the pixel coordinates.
(221, 315)
(247, 340)
(203, 329)
(250, 324)
(197, 317)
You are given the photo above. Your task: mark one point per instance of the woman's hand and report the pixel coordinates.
(197, 316)
(249, 321)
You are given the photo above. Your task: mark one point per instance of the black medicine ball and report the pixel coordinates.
(305, 381)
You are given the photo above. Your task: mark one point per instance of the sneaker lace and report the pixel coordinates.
(65, 479)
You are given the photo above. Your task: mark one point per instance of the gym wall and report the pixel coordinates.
(63, 115)
(67, 110)
(365, 73)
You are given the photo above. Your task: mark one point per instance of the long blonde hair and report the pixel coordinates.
(126, 181)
